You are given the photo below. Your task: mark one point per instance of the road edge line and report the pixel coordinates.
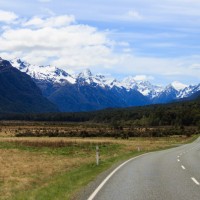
(91, 197)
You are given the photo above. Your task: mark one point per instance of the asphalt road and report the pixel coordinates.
(172, 174)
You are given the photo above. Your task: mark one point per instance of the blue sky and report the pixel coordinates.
(157, 39)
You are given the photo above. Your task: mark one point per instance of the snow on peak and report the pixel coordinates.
(188, 91)
(144, 87)
(178, 85)
(147, 89)
(98, 80)
(56, 75)
(19, 64)
(129, 82)
(85, 77)
(47, 73)
(112, 82)
(85, 74)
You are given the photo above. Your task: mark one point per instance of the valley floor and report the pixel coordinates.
(58, 167)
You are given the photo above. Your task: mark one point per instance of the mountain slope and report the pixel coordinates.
(144, 87)
(167, 95)
(86, 97)
(86, 91)
(18, 92)
(47, 73)
(194, 96)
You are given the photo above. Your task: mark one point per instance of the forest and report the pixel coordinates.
(173, 114)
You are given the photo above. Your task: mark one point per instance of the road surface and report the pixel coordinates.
(172, 174)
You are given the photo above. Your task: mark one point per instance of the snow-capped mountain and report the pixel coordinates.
(168, 94)
(19, 93)
(99, 91)
(129, 83)
(55, 75)
(86, 77)
(47, 73)
(180, 90)
(188, 91)
(175, 91)
(178, 86)
(144, 87)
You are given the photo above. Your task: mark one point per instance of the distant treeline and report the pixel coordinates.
(174, 114)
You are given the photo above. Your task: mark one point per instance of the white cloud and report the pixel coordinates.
(48, 38)
(129, 16)
(148, 11)
(60, 41)
(158, 67)
(58, 21)
(47, 11)
(7, 17)
(56, 39)
(134, 15)
(178, 85)
(143, 78)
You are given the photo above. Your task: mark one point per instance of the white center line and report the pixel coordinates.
(178, 156)
(195, 181)
(178, 160)
(182, 167)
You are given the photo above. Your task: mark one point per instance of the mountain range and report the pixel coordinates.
(19, 93)
(86, 91)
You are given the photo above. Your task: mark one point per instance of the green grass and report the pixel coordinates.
(66, 185)
(68, 150)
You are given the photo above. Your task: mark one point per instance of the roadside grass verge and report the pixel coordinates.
(55, 169)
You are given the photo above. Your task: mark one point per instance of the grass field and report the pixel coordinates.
(57, 168)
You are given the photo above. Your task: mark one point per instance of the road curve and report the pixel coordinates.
(172, 174)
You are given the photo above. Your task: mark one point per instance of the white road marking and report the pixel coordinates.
(195, 181)
(182, 167)
(91, 197)
(178, 160)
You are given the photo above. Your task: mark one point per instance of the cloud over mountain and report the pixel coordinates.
(158, 39)
(7, 16)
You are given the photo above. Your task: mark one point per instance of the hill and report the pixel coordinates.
(19, 94)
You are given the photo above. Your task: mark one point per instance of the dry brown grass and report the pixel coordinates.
(132, 143)
(21, 169)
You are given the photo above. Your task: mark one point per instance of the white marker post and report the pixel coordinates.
(97, 154)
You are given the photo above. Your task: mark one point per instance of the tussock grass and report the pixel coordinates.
(21, 170)
(53, 168)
